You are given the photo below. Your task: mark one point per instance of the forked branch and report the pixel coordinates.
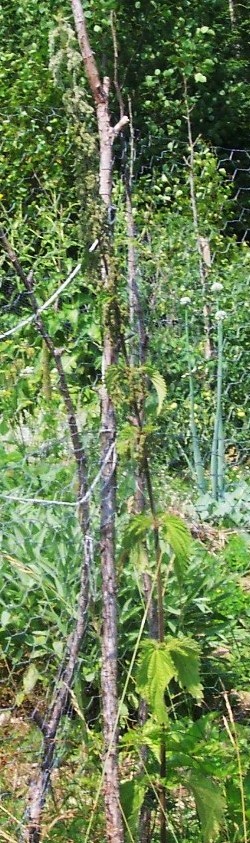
(39, 786)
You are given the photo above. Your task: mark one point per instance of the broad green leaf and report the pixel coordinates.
(139, 558)
(132, 795)
(30, 679)
(155, 671)
(210, 804)
(199, 77)
(20, 697)
(160, 387)
(179, 539)
(69, 363)
(5, 618)
(152, 737)
(185, 654)
(58, 648)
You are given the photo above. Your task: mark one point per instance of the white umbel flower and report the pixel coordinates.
(220, 315)
(216, 287)
(185, 300)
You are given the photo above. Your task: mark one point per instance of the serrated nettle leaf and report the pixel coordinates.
(132, 738)
(177, 535)
(185, 653)
(151, 736)
(156, 669)
(210, 804)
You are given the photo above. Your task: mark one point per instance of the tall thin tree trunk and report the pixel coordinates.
(232, 8)
(108, 563)
(108, 514)
(100, 92)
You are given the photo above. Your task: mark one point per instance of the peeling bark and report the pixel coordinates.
(107, 133)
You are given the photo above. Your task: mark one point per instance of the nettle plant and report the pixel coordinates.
(167, 750)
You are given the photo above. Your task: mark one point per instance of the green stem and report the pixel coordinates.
(198, 462)
(217, 451)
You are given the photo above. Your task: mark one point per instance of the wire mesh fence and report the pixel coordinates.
(40, 538)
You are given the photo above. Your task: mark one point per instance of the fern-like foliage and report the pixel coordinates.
(160, 386)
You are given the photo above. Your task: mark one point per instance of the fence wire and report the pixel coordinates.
(40, 536)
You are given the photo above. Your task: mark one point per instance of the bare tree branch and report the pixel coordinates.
(31, 831)
(44, 306)
(79, 454)
(55, 502)
(100, 91)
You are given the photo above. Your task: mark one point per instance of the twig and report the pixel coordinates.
(31, 830)
(43, 306)
(116, 80)
(79, 453)
(54, 502)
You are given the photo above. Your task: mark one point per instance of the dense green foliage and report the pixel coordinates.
(184, 69)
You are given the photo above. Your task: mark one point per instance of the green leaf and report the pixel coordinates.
(185, 655)
(210, 804)
(58, 648)
(139, 558)
(20, 697)
(160, 387)
(151, 736)
(132, 795)
(136, 530)
(155, 671)
(179, 539)
(199, 77)
(30, 679)
(5, 618)
(69, 363)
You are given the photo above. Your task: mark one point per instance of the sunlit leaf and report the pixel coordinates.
(178, 537)
(185, 654)
(155, 671)
(137, 530)
(199, 77)
(30, 679)
(5, 618)
(160, 387)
